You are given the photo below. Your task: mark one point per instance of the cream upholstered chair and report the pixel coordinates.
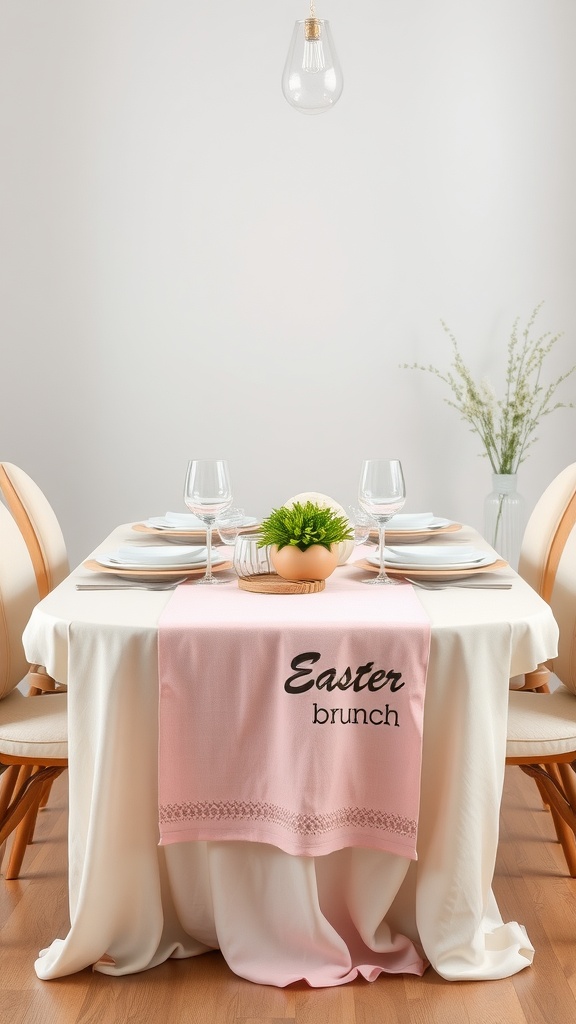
(545, 537)
(44, 539)
(542, 726)
(38, 525)
(33, 730)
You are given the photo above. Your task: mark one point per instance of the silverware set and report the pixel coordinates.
(464, 584)
(129, 585)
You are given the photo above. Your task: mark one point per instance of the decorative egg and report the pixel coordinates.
(345, 547)
(316, 563)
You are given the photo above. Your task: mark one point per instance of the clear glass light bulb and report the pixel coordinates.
(312, 80)
(313, 60)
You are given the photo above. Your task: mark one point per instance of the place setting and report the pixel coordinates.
(442, 562)
(156, 562)
(184, 527)
(381, 495)
(208, 495)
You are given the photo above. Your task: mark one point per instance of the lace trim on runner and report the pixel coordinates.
(293, 821)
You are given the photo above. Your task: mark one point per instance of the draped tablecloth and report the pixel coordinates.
(278, 918)
(293, 720)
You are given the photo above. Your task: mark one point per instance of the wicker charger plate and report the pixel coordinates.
(187, 535)
(430, 573)
(150, 573)
(270, 583)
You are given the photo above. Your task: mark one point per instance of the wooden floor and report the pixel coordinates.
(531, 886)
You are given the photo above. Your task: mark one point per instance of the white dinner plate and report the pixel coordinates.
(181, 520)
(159, 554)
(110, 560)
(411, 521)
(437, 528)
(433, 554)
(179, 535)
(480, 560)
(187, 523)
(436, 523)
(149, 574)
(452, 572)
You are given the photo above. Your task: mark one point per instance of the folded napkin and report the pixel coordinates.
(187, 521)
(411, 521)
(183, 521)
(136, 554)
(433, 554)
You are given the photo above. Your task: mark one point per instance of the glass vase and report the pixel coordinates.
(504, 517)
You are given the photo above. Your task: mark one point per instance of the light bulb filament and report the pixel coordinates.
(313, 60)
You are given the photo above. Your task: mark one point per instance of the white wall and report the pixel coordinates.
(189, 267)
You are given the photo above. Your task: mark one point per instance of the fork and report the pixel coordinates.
(152, 585)
(432, 585)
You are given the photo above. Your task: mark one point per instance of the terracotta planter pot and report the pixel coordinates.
(316, 563)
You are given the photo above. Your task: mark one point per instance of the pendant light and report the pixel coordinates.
(312, 81)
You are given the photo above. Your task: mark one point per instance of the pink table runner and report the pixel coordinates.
(292, 720)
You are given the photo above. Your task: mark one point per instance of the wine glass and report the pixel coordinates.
(381, 493)
(361, 524)
(229, 524)
(207, 493)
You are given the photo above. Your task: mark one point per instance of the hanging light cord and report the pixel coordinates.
(312, 25)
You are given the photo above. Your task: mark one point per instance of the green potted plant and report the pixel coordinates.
(304, 540)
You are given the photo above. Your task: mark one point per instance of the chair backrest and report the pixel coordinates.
(38, 525)
(548, 564)
(18, 596)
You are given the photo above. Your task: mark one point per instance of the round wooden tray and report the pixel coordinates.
(270, 583)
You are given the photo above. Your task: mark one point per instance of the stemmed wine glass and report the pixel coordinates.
(361, 524)
(381, 493)
(229, 525)
(207, 493)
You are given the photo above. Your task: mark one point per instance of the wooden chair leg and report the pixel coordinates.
(24, 773)
(9, 781)
(567, 841)
(25, 801)
(31, 817)
(17, 850)
(550, 780)
(568, 776)
(46, 795)
(22, 837)
(24, 832)
(543, 796)
(19, 807)
(28, 824)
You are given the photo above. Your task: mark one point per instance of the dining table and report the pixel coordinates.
(278, 916)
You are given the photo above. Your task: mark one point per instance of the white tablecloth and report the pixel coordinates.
(275, 917)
